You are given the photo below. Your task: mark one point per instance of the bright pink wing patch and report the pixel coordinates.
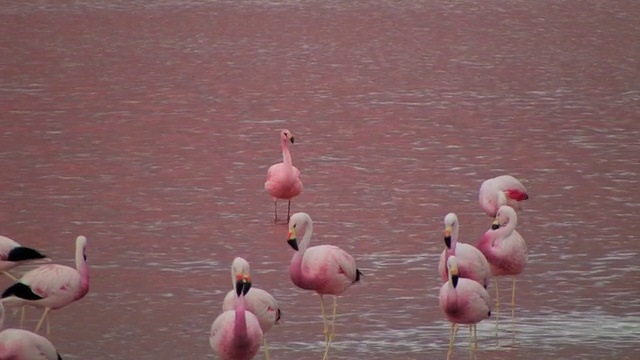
(517, 194)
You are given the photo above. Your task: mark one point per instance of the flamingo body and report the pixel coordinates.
(504, 248)
(325, 269)
(236, 334)
(18, 344)
(468, 303)
(283, 179)
(490, 193)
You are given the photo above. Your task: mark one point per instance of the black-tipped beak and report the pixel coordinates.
(247, 286)
(291, 139)
(293, 243)
(239, 286)
(447, 241)
(454, 280)
(495, 225)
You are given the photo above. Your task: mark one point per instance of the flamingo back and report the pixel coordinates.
(259, 302)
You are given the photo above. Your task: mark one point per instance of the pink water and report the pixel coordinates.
(150, 128)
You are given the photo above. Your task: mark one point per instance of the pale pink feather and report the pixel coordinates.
(489, 195)
(504, 248)
(236, 334)
(466, 303)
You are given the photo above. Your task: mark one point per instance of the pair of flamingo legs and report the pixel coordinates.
(328, 336)
(45, 314)
(473, 335)
(275, 210)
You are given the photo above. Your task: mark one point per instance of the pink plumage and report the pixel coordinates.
(236, 334)
(13, 254)
(504, 247)
(52, 286)
(501, 190)
(472, 264)
(283, 179)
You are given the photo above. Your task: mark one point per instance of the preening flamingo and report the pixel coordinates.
(513, 192)
(259, 302)
(236, 334)
(18, 344)
(52, 286)
(505, 250)
(13, 254)
(463, 301)
(325, 269)
(471, 262)
(283, 179)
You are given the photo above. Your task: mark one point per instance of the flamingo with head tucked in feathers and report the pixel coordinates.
(501, 190)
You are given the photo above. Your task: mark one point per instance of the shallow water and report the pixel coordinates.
(150, 127)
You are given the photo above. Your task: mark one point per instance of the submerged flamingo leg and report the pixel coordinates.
(8, 274)
(513, 299)
(44, 314)
(471, 341)
(266, 348)
(324, 321)
(452, 336)
(22, 315)
(275, 211)
(475, 337)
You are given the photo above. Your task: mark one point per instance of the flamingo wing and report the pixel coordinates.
(50, 279)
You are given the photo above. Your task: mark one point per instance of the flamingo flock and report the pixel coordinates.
(49, 287)
(466, 270)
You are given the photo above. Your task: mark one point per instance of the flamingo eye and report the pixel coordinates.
(294, 226)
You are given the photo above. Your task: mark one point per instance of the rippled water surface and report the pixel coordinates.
(150, 127)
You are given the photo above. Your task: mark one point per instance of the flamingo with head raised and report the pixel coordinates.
(283, 179)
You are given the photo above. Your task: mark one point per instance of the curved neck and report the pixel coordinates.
(240, 325)
(454, 238)
(508, 229)
(308, 231)
(81, 264)
(286, 156)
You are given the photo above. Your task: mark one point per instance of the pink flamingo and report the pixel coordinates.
(463, 301)
(21, 344)
(501, 190)
(236, 334)
(471, 262)
(325, 269)
(13, 254)
(283, 179)
(51, 286)
(259, 302)
(505, 250)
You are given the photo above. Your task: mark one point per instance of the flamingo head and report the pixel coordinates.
(292, 238)
(450, 223)
(297, 221)
(243, 284)
(286, 135)
(505, 215)
(452, 266)
(81, 244)
(239, 268)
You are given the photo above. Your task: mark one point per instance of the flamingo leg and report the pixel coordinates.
(289, 210)
(48, 326)
(497, 306)
(266, 348)
(452, 336)
(275, 211)
(44, 314)
(333, 327)
(513, 299)
(324, 321)
(22, 315)
(471, 341)
(475, 337)
(8, 274)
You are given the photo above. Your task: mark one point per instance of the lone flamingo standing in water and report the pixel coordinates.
(471, 262)
(463, 301)
(259, 302)
(325, 269)
(283, 179)
(501, 190)
(23, 344)
(51, 286)
(13, 254)
(505, 250)
(236, 334)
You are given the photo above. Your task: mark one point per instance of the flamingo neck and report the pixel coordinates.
(240, 325)
(306, 239)
(83, 268)
(454, 239)
(286, 156)
(1, 315)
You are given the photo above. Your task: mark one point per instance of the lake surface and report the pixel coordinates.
(149, 128)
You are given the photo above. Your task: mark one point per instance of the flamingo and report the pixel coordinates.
(259, 302)
(21, 344)
(505, 250)
(283, 179)
(236, 334)
(13, 254)
(501, 190)
(325, 269)
(52, 286)
(463, 301)
(471, 262)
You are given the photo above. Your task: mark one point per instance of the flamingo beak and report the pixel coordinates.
(239, 286)
(292, 239)
(291, 139)
(495, 225)
(247, 285)
(454, 277)
(447, 237)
